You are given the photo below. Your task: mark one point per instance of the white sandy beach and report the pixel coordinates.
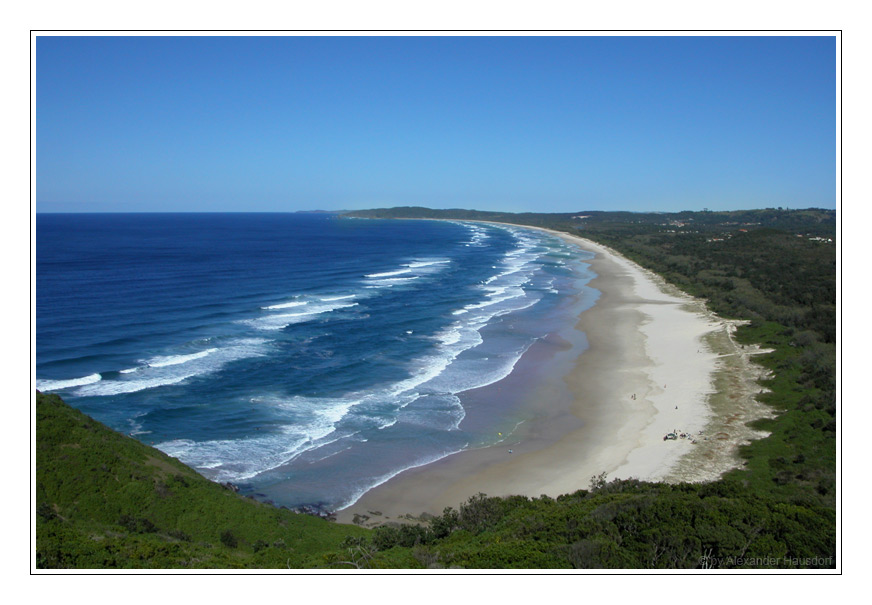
(654, 359)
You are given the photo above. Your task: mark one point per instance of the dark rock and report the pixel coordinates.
(316, 510)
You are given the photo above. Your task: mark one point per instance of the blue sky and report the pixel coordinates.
(550, 124)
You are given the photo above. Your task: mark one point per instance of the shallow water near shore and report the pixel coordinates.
(304, 357)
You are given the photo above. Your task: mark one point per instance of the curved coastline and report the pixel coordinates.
(657, 362)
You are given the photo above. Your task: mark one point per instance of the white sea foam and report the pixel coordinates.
(504, 293)
(469, 373)
(497, 296)
(318, 422)
(388, 273)
(287, 305)
(173, 369)
(407, 273)
(479, 235)
(441, 411)
(136, 425)
(427, 263)
(526, 304)
(47, 385)
(325, 410)
(120, 387)
(393, 281)
(389, 424)
(388, 476)
(172, 360)
(278, 321)
(311, 425)
(234, 459)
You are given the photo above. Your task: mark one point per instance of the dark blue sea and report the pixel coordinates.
(303, 357)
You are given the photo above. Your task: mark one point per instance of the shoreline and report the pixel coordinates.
(657, 361)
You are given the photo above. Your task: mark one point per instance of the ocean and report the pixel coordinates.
(304, 357)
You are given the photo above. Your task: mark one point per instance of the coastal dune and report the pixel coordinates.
(657, 366)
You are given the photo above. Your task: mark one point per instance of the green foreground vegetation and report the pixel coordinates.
(104, 500)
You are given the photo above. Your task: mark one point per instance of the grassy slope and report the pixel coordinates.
(106, 500)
